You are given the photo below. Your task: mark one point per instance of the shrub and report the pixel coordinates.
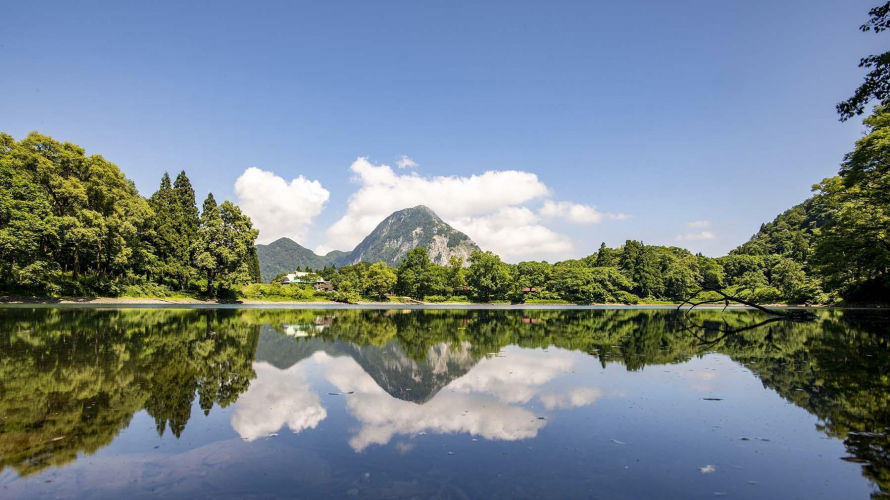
(347, 297)
(765, 295)
(145, 290)
(626, 297)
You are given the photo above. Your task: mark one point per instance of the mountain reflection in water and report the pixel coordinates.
(72, 381)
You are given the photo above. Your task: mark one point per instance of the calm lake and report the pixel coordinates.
(434, 404)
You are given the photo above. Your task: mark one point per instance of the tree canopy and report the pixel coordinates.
(73, 224)
(877, 81)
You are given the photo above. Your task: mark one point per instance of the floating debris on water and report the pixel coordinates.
(707, 469)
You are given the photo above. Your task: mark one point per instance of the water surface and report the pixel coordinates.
(499, 404)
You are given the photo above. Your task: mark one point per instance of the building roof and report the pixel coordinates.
(297, 277)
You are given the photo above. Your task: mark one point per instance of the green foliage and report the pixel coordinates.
(380, 280)
(853, 248)
(275, 291)
(418, 276)
(347, 295)
(877, 81)
(223, 246)
(488, 278)
(73, 224)
(283, 256)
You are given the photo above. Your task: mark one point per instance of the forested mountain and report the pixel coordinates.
(389, 243)
(284, 255)
(791, 233)
(406, 230)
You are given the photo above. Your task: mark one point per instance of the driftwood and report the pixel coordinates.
(792, 315)
(693, 328)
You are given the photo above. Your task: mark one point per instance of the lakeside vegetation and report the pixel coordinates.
(832, 248)
(74, 225)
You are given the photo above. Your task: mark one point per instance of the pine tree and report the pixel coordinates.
(254, 265)
(163, 234)
(185, 221)
(225, 239)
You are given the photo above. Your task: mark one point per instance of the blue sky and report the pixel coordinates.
(667, 112)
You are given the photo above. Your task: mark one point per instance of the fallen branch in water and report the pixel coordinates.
(693, 328)
(794, 315)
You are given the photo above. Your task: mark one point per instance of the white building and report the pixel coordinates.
(302, 278)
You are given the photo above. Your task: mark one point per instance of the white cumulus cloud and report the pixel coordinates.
(576, 212)
(704, 235)
(279, 208)
(513, 232)
(698, 223)
(405, 161)
(489, 207)
(382, 191)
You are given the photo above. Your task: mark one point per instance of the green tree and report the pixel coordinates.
(185, 219)
(488, 277)
(853, 248)
(28, 229)
(418, 277)
(606, 257)
(225, 238)
(381, 280)
(455, 275)
(877, 81)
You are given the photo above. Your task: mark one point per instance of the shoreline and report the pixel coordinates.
(12, 301)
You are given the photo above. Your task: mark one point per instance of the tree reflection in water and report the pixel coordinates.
(72, 379)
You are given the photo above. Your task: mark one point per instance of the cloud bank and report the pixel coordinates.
(492, 208)
(489, 208)
(279, 208)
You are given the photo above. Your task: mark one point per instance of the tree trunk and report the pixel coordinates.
(76, 267)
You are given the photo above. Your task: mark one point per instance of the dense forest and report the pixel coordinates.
(74, 225)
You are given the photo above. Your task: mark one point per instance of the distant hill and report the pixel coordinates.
(791, 233)
(285, 255)
(398, 234)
